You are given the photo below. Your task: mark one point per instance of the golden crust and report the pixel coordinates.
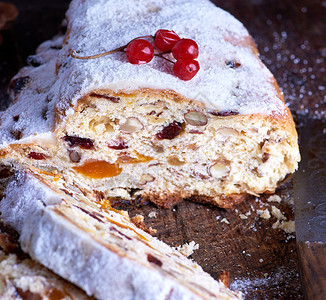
(163, 199)
(223, 201)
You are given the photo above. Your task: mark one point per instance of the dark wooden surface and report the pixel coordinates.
(291, 37)
(312, 261)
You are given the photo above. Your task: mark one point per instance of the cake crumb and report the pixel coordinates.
(264, 214)
(224, 277)
(187, 249)
(277, 213)
(243, 217)
(274, 198)
(121, 193)
(276, 224)
(152, 214)
(288, 227)
(224, 220)
(138, 220)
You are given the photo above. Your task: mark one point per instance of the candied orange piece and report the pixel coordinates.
(125, 157)
(98, 169)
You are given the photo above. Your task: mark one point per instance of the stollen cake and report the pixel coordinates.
(138, 132)
(97, 247)
(27, 279)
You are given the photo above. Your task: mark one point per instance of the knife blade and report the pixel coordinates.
(310, 207)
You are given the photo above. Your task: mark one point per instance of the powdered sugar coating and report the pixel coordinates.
(97, 26)
(99, 249)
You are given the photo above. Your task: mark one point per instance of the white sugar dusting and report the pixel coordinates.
(300, 82)
(96, 26)
(273, 282)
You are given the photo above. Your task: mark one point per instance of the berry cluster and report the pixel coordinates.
(141, 51)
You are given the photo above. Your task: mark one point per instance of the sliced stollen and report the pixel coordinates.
(23, 278)
(27, 279)
(138, 131)
(97, 247)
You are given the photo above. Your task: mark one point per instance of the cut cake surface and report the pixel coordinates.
(139, 132)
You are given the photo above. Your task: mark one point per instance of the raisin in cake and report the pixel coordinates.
(138, 131)
(97, 247)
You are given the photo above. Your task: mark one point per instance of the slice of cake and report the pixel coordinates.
(23, 278)
(97, 247)
(139, 132)
(26, 279)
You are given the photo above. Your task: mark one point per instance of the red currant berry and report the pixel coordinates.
(139, 52)
(165, 40)
(186, 49)
(186, 69)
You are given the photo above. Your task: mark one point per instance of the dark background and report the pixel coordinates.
(291, 38)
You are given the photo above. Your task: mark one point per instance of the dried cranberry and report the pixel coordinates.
(152, 259)
(18, 84)
(120, 233)
(224, 113)
(170, 131)
(95, 215)
(36, 156)
(75, 141)
(118, 144)
(111, 98)
(196, 131)
(265, 157)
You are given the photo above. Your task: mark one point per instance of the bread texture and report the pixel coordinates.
(137, 132)
(24, 278)
(97, 247)
(27, 279)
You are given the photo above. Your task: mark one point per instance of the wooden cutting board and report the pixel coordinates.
(290, 35)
